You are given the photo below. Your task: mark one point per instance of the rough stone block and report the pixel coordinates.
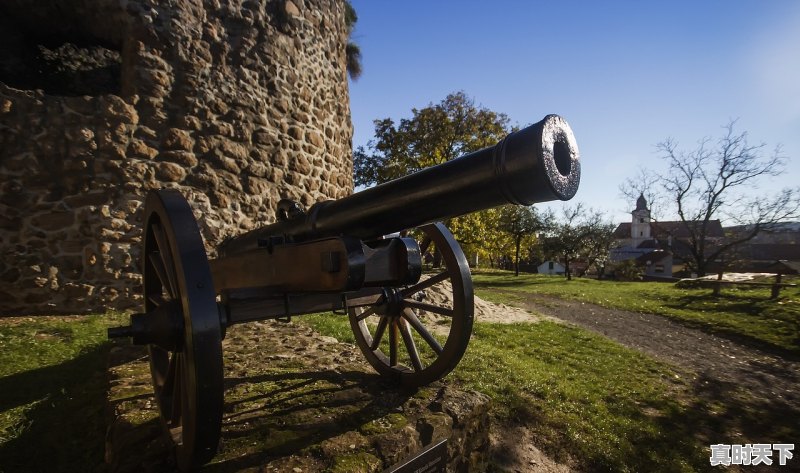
(170, 172)
(177, 139)
(184, 158)
(53, 221)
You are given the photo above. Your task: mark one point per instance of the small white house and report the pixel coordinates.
(551, 267)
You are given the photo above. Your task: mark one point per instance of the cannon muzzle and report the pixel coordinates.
(539, 163)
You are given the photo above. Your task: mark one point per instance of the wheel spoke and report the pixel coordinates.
(366, 313)
(169, 378)
(428, 307)
(376, 341)
(157, 299)
(166, 258)
(157, 263)
(412, 319)
(393, 343)
(424, 244)
(411, 347)
(158, 359)
(425, 284)
(176, 411)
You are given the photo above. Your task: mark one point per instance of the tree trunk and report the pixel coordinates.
(516, 260)
(702, 267)
(718, 285)
(437, 258)
(776, 288)
(567, 272)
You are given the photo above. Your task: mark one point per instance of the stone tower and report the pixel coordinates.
(235, 103)
(640, 222)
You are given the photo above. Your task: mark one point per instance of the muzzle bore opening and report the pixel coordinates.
(562, 157)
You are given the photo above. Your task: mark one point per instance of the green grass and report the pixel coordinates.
(583, 396)
(52, 392)
(747, 315)
(586, 398)
(332, 325)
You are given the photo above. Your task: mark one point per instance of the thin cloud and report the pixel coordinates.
(775, 63)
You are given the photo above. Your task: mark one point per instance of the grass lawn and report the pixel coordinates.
(52, 392)
(747, 315)
(586, 398)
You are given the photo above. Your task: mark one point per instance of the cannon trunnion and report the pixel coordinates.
(332, 257)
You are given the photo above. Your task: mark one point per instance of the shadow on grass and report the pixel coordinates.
(307, 408)
(63, 428)
(498, 283)
(717, 412)
(722, 412)
(304, 409)
(676, 434)
(746, 306)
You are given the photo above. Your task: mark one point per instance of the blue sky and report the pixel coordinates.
(625, 74)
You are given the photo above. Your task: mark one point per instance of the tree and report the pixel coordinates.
(478, 235)
(579, 233)
(717, 180)
(352, 50)
(433, 135)
(520, 222)
(598, 243)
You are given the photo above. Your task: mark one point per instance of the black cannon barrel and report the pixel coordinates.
(539, 163)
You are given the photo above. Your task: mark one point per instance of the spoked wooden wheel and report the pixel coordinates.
(417, 334)
(186, 358)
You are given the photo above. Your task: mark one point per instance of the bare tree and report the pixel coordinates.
(580, 233)
(598, 243)
(717, 180)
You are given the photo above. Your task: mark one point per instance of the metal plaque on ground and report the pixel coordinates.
(431, 460)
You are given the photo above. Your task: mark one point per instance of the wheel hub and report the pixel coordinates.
(391, 303)
(163, 326)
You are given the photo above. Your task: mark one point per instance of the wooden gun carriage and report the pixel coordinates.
(332, 257)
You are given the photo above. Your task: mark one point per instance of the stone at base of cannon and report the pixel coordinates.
(306, 401)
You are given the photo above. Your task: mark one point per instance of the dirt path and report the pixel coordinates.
(701, 354)
(736, 393)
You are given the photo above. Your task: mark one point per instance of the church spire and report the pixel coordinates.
(641, 203)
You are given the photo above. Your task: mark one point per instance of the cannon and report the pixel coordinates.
(334, 256)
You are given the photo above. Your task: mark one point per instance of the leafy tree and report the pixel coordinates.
(628, 270)
(352, 50)
(717, 180)
(433, 135)
(478, 235)
(519, 223)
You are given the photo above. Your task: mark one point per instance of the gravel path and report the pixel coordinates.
(737, 394)
(699, 353)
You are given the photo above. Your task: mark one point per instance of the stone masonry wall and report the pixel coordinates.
(236, 103)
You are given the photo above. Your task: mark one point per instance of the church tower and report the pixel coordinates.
(640, 222)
